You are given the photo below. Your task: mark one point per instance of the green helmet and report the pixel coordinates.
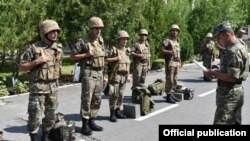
(175, 26)
(123, 34)
(143, 32)
(47, 26)
(209, 35)
(95, 22)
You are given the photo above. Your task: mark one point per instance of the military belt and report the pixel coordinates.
(122, 72)
(94, 68)
(177, 59)
(229, 84)
(46, 81)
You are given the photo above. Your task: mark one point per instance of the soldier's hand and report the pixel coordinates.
(42, 59)
(118, 58)
(91, 52)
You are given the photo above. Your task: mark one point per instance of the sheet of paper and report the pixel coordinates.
(201, 66)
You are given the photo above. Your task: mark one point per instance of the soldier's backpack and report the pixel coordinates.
(157, 88)
(141, 95)
(188, 93)
(63, 130)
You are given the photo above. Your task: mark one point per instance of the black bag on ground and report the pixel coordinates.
(157, 88)
(141, 95)
(188, 93)
(63, 130)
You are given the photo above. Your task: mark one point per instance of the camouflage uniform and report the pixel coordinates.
(43, 84)
(172, 63)
(118, 80)
(43, 59)
(91, 76)
(118, 74)
(230, 95)
(140, 65)
(208, 54)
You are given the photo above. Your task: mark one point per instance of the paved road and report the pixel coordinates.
(199, 111)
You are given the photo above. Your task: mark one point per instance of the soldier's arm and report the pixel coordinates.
(135, 52)
(79, 56)
(28, 63)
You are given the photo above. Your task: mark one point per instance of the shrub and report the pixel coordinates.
(20, 87)
(158, 64)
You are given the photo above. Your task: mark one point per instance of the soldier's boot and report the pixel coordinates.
(85, 127)
(112, 116)
(45, 136)
(170, 99)
(32, 136)
(119, 114)
(175, 99)
(93, 126)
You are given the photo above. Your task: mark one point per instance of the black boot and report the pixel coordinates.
(33, 136)
(175, 99)
(45, 136)
(119, 114)
(93, 126)
(170, 99)
(112, 116)
(85, 127)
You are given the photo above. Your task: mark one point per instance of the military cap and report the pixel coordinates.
(224, 26)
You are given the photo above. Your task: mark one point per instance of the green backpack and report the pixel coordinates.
(157, 88)
(141, 95)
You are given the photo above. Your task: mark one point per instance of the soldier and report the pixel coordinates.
(207, 51)
(233, 70)
(119, 65)
(140, 52)
(170, 48)
(42, 61)
(89, 51)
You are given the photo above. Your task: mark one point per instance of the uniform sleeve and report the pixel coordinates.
(78, 47)
(133, 48)
(28, 55)
(164, 44)
(234, 64)
(110, 52)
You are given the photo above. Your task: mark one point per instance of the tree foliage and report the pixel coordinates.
(20, 19)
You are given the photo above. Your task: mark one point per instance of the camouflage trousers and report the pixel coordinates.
(92, 85)
(229, 103)
(171, 78)
(39, 104)
(139, 74)
(207, 61)
(116, 97)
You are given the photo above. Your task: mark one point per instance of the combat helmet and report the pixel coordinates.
(209, 35)
(123, 34)
(175, 26)
(95, 22)
(47, 26)
(143, 32)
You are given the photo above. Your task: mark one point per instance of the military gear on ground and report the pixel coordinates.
(170, 99)
(95, 22)
(188, 93)
(63, 129)
(93, 126)
(112, 117)
(143, 32)
(141, 95)
(48, 26)
(85, 127)
(157, 88)
(175, 26)
(119, 114)
(122, 34)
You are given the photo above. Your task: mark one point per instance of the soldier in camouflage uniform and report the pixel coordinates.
(42, 61)
(89, 51)
(140, 52)
(119, 65)
(207, 51)
(233, 70)
(170, 48)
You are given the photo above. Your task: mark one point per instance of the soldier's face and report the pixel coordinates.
(123, 42)
(221, 39)
(174, 32)
(52, 35)
(95, 32)
(143, 37)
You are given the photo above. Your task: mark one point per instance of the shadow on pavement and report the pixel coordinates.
(74, 117)
(16, 129)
